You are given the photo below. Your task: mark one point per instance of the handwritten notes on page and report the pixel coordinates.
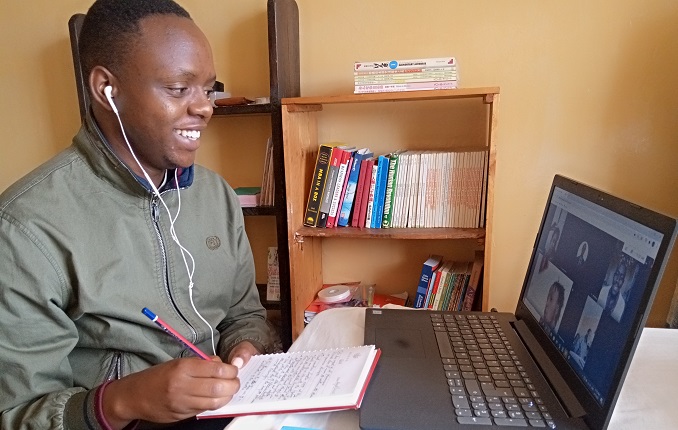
(305, 381)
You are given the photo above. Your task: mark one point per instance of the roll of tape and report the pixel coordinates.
(334, 294)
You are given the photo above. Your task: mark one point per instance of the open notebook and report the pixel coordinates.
(560, 360)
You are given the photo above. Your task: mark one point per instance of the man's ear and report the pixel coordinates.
(100, 78)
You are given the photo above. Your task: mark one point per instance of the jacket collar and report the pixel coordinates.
(91, 142)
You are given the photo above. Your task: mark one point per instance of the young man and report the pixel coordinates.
(119, 221)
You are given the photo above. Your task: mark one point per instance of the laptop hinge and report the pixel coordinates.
(567, 397)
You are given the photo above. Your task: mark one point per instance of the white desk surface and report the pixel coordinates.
(647, 399)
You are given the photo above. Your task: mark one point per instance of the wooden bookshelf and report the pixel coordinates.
(462, 119)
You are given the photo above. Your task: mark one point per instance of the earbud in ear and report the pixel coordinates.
(108, 91)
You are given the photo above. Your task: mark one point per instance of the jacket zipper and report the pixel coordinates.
(115, 370)
(155, 213)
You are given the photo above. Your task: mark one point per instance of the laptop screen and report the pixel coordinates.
(586, 284)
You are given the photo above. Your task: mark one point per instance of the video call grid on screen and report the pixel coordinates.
(581, 284)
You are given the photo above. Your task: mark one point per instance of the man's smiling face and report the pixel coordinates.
(163, 94)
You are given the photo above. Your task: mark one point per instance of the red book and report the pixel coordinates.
(359, 192)
(434, 288)
(366, 192)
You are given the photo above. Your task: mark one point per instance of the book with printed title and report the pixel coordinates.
(344, 158)
(430, 265)
(317, 187)
(330, 183)
(303, 381)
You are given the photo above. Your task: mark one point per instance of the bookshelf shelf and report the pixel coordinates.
(261, 109)
(443, 120)
(260, 211)
(392, 233)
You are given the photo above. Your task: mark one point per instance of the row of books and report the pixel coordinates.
(405, 75)
(402, 189)
(250, 197)
(447, 285)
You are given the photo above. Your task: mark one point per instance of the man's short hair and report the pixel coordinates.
(110, 29)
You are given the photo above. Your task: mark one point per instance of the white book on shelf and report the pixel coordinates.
(415, 167)
(421, 194)
(401, 190)
(413, 86)
(444, 198)
(405, 64)
(449, 220)
(456, 189)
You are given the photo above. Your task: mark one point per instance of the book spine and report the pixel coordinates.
(414, 86)
(405, 64)
(404, 78)
(385, 72)
(319, 178)
(462, 292)
(443, 290)
(473, 282)
(338, 188)
(389, 196)
(436, 290)
(449, 290)
(367, 189)
(352, 187)
(348, 194)
(426, 272)
(380, 198)
(359, 193)
(370, 199)
(329, 187)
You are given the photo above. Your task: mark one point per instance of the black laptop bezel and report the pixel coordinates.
(598, 416)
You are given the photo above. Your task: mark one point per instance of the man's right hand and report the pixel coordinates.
(171, 391)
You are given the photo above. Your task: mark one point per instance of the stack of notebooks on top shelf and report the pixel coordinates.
(402, 189)
(405, 75)
(447, 285)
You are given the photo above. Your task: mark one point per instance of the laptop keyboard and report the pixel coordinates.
(487, 381)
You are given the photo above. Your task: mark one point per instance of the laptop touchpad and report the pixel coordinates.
(400, 343)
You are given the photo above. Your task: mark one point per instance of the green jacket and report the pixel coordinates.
(84, 247)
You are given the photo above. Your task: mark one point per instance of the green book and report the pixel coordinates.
(248, 196)
(389, 200)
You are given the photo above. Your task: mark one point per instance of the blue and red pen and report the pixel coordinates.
(156, 319)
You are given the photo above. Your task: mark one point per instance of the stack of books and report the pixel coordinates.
(402, 189)
(248, 196)
(448, 285)
(405, 75)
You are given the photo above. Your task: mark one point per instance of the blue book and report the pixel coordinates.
(349, 196)
(427, 270)
(380, 191)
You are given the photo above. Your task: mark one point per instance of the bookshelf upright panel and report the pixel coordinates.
(442, 120)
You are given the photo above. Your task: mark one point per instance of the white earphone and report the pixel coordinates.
(108, 92)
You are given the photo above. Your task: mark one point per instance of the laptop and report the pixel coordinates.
(560, 360)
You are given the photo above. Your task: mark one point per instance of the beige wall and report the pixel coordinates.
(587, 90)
